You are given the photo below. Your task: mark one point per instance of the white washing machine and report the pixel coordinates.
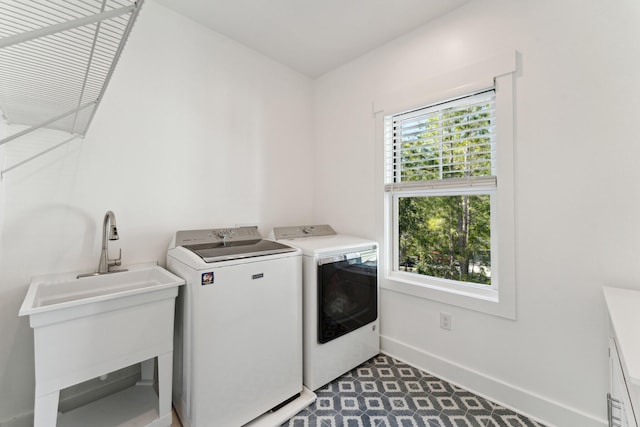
(340, 300)
(238, 339)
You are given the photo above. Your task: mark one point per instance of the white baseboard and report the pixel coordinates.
(529, 404)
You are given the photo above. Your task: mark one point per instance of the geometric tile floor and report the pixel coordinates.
(384, 392)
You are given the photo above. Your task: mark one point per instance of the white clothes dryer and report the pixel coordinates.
(340, 300)
(238, 334)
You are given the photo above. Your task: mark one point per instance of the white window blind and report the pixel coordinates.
(442, 145)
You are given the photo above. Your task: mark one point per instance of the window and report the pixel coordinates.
(448, 224)
(441, 174)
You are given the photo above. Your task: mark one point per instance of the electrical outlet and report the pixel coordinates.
(445, 321)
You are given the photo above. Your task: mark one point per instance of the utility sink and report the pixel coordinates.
(89, 326)
(65, 291)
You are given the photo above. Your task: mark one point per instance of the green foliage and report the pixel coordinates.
(446, 236)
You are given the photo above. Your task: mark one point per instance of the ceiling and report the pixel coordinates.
(312, 37)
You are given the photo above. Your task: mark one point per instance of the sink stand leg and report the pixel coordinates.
(165, 369)
(146, 369)
(45, 412)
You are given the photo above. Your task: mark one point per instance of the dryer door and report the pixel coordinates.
(347, 293)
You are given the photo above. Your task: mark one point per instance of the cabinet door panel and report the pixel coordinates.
(620, 409)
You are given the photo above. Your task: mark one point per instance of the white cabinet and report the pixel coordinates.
(619, 408)
(623, 399)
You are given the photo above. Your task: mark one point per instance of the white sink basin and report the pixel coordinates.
(62, 297)
(63, 291)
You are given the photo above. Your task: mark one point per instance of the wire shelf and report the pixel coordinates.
(56, 60)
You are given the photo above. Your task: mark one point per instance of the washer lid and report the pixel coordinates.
(213, 252)
(224, 244)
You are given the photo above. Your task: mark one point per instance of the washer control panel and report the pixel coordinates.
(298, 231)
(217, 235)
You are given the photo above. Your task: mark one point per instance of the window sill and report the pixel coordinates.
(489, 301)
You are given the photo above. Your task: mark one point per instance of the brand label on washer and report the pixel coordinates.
(207, 278)
(257, 276)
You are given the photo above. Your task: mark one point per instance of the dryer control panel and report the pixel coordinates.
(298, 231)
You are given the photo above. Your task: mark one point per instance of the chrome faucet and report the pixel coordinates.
(106, 263)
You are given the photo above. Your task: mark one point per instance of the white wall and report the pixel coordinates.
(577, 96)
(195, 131)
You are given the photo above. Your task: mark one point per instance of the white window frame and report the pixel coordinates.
(500, 298)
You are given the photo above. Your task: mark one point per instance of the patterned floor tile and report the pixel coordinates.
(384, 392)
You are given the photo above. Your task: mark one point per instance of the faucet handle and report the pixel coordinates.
(117, 261)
